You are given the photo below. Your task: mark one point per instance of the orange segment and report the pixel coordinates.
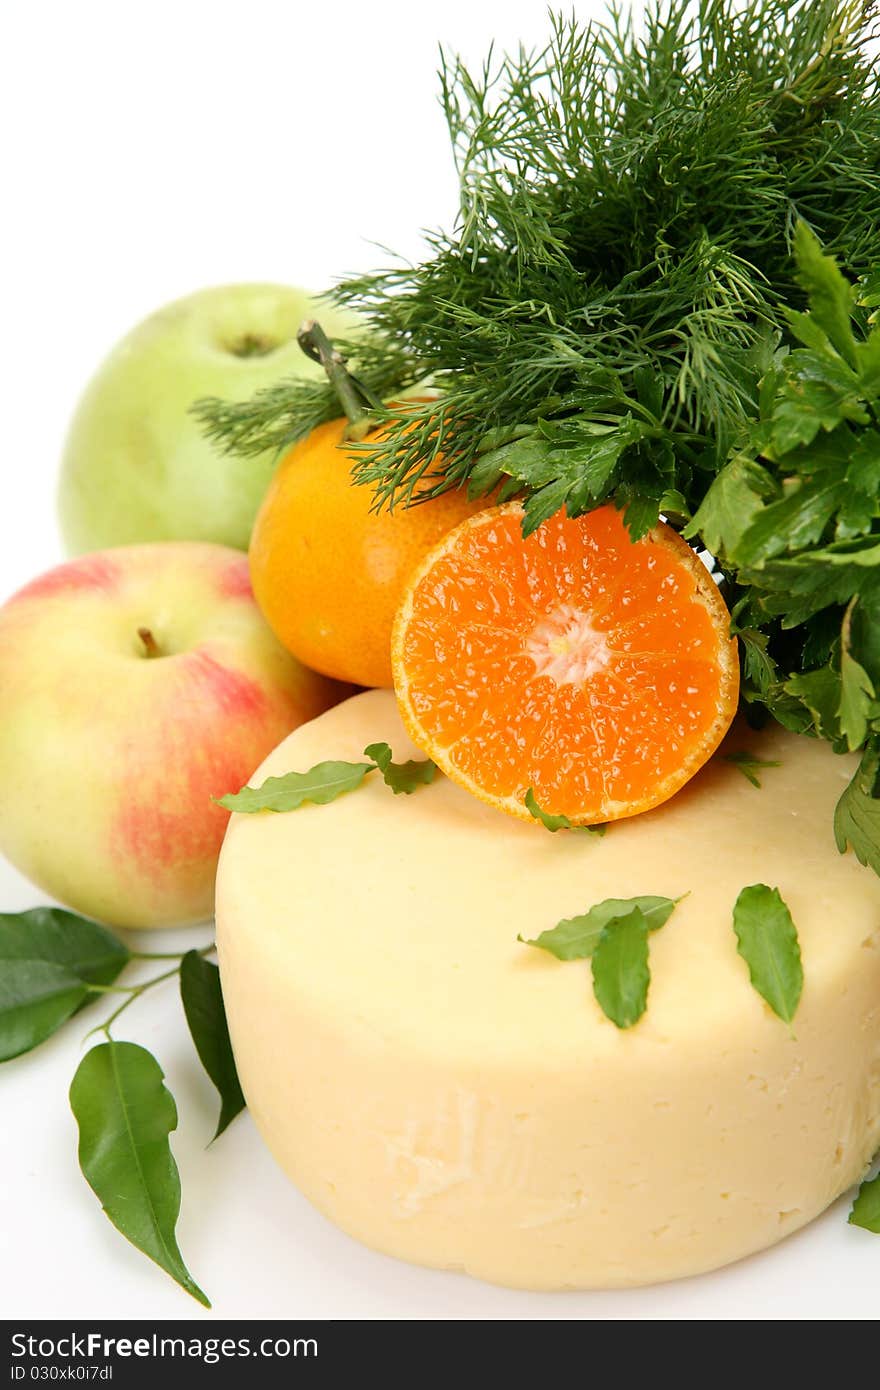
(595, 669)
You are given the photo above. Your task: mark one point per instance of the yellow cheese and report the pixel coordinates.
(453, 1097)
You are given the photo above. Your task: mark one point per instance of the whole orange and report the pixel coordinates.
(327, 571)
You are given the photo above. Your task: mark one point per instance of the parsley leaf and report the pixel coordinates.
(818, 392)
(759, 667)
(730, 505)
(831, 297)
(768, 943)
(554, 823)
(856, 689)
(866, 1208)
(819, 693)
(748, 765)
(795, 524)
(857, 814)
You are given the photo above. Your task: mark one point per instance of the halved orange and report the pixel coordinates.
(597, 670)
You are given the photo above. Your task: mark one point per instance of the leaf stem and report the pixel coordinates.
(112, 989)
(356, 399)
(169, 955)
(151, 646)
(135, 991)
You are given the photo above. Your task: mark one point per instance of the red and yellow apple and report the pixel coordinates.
(135, 685)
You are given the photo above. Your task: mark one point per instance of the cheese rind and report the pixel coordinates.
(453, 1097)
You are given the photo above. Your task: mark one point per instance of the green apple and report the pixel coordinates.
(137, 465)
(135, 685)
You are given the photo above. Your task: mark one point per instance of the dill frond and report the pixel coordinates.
(598, 319)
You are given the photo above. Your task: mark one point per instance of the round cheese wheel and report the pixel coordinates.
(454, 1097)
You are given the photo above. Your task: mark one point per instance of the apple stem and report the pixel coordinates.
(252, 345)
(151, 646)
(356, 399)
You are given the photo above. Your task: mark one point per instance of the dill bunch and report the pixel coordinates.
(599, 318)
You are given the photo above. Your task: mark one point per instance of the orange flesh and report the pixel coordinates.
(594, 669)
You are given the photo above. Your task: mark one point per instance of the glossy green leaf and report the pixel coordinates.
(321, 784)
(202, 998)
(125, 1114)
(48, 957)
(401, 777)
(768, 943)
(36, 997)
(620, 969)
(51, 934)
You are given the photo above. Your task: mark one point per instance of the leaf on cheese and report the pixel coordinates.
(576, 938)
(401, 777)
(768, 943)
(621, 975)
(320, 785)
(554, 823)
(614, 933)
(326, 781)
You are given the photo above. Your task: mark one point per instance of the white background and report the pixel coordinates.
(150, 151)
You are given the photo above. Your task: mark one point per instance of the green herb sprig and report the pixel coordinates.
(794, 519)
(52, 964)
(600, 315)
